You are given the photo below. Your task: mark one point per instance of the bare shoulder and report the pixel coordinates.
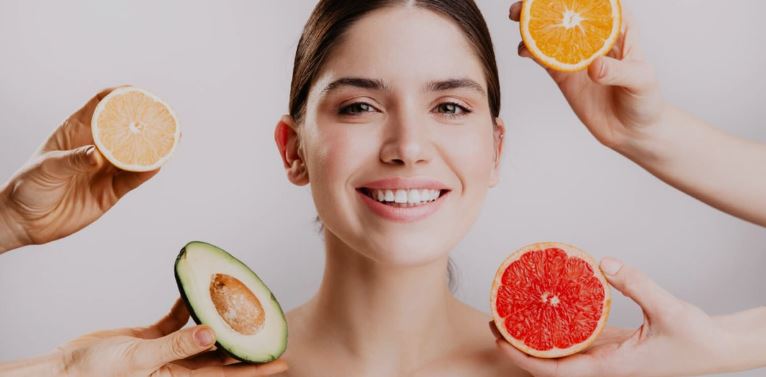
(478, 354)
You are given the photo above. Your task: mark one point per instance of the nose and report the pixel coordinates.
(406, 142)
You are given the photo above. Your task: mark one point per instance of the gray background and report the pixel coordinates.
(225, 68)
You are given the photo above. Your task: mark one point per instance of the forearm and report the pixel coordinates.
(747, 334)
(10, 229)
(49, 365)
(724, 171)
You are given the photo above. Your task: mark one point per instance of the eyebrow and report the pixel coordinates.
(440, 86)
(377, 84)
(357, 82)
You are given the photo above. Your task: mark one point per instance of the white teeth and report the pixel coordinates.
(413, 196)
(402, 196)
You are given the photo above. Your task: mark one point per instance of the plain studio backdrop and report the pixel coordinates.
(225, 69)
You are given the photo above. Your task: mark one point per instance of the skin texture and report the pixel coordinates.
(618, 99)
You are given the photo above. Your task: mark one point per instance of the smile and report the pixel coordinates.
(403, 199)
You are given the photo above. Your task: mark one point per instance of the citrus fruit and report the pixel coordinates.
(550, 300)
(134, 129)
(568, 35)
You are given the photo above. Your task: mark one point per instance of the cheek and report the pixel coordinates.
(471, 154)
(334, 154)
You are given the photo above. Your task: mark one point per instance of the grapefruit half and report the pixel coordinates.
(134, 130)
(550, 300)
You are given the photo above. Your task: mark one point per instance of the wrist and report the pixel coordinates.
(646, 144)
(11, 229)
(49, 365)
(744, 336)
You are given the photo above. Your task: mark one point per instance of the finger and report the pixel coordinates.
(207, 359)
(494, 330)
(176, 319)
(125, 181)
(535, 366)
(153, 353)
(70, 163)
(515, 12)
(523, 51)
(242, 370)
(579, 365)
(635, 75)
(85, 114)
(654, 300)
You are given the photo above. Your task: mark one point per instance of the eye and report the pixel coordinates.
(451, 109)
(356, 108)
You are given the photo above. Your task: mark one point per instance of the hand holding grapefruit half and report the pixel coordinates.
(567, 35)
(134, 129)
(550, 300)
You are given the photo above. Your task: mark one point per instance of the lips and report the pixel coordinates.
(403, 199)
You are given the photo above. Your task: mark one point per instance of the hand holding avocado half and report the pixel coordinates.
(66, 185)
(162, 349)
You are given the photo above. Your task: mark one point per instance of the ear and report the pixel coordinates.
(498, 135)
(288, 142)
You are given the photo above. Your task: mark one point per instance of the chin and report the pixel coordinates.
(406, 250)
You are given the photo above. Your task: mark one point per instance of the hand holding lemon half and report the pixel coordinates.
(134, 130)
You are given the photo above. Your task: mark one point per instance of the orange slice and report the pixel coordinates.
(134, 129)
(568, 35)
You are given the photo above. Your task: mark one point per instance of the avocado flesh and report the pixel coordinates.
(207, 276)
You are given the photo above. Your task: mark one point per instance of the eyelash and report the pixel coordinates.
(354, 109)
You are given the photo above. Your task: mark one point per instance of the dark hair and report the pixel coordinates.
(331, 18)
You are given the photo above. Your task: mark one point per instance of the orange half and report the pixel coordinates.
(134, 130)
(568, 35)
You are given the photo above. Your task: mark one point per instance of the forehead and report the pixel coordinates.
(403, 45)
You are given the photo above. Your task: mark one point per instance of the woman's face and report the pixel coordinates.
(398, 139)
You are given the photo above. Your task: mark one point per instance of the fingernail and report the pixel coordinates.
(204, 337)
(611, 266)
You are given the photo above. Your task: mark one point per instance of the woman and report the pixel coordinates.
(394, 121)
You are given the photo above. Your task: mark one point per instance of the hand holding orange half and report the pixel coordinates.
(591, 51)
(68, 184)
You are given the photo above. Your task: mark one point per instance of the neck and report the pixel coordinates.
(381, 314)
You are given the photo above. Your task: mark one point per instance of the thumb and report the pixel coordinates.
(633, 75)
(66, 164)
(154, 353)
(654, 300)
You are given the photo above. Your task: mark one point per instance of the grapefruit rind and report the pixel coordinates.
(555, 64)
(554, 352)
(95, 130)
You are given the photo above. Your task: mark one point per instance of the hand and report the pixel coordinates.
(64, 187)
(618, 96)
(676, 339)
(159, 350)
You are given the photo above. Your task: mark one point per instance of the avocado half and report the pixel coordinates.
(223, 293)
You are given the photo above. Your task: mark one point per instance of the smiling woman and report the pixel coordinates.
(394, 124)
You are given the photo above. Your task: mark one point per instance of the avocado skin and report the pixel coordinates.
(190, 308)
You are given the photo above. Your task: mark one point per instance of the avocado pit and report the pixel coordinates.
(236, 304)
